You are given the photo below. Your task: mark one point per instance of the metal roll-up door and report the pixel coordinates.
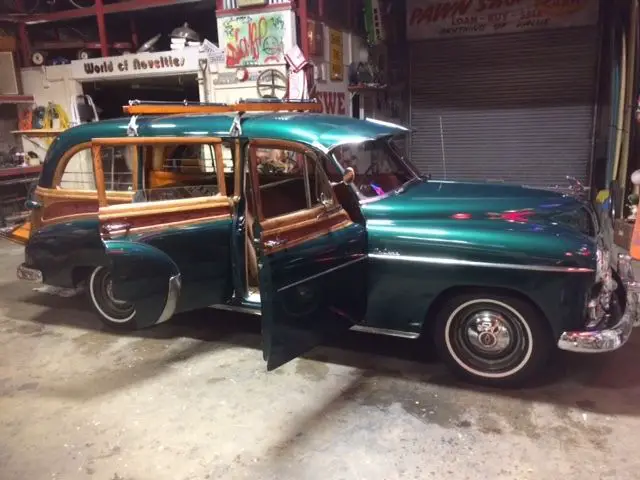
(516, 108)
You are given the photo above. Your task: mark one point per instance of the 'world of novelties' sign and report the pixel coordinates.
(146, 64)
(450, 18)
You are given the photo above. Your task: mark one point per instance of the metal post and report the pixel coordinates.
(304, 27)
(134, 33)
(23, 37)
(102, 29)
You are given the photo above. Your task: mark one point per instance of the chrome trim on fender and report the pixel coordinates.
(384, 331)
(28, 274)
(609, 339)
(471, 263)
(324, 272)
(175, 284)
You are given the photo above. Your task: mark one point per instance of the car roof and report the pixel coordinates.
(319, 130)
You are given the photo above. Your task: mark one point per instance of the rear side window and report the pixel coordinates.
(178, 171)
(118, 167)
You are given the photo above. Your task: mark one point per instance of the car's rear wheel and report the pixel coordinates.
(495, 340)
(113, 313)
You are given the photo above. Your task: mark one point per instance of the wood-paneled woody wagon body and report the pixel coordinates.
(318, 223)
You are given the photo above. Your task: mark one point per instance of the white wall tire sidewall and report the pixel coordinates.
(478, 373)
(96, 304)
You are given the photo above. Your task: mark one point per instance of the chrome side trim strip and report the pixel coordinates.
(175, 284)
(384, 331)
(329, 270)
(471, 263)
(237, 309)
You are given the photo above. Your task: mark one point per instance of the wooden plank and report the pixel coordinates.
(169, 109)
(222, 185)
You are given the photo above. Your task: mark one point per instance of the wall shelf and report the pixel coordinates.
(39, 132)
(9, 172)
(15, 99)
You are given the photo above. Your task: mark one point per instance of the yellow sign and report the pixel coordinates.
(336, 55)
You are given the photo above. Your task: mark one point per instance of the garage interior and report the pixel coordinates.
(110, 95)
(190, 399)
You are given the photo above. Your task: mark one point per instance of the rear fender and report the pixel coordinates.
(139, 271)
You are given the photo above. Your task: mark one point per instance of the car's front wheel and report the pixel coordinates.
(113, 313)
(495, 340)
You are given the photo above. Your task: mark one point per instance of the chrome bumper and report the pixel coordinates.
(29, 274)
(606, 340)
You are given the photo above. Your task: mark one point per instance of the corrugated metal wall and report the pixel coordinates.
(515, 108)
(229, 4)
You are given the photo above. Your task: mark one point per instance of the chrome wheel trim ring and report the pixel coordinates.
(504, 322)
(106, 292)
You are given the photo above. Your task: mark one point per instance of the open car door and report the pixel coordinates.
(312, 256)
(169, 250)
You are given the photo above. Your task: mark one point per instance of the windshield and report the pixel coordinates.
(378, 166)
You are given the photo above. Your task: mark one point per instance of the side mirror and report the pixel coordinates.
(349, 176)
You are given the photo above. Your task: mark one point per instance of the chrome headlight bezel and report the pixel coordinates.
(603, 264)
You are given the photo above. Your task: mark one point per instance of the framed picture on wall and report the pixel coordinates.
(9, 79)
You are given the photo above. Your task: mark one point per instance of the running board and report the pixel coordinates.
(384, 331)
(237, 309)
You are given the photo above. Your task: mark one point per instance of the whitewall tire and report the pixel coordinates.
(112, 312)
(495, 340)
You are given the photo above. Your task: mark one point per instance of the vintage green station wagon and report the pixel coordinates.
(319, 224)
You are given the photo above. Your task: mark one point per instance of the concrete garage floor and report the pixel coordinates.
(192, 400)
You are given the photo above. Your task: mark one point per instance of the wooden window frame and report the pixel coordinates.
(98, 143)
(305, 217)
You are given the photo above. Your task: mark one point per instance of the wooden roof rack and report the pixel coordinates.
(139, 107)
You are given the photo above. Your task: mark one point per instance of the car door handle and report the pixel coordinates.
(109, 228)
(274, 243)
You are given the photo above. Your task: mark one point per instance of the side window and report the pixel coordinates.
(289, 181)
(117, 165)
(78, 173)
(178, 171)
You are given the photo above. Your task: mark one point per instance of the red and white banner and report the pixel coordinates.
(428, 19)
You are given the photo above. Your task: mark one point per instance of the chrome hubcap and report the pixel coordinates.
(488, 332)
(488, 337)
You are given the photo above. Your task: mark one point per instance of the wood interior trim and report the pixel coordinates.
(118, 141)
(160, 178)
(71, 194)
(161, 226)
(302, 232)
(292, 219)
(164, 207)
(255, 184)
(64, 160)
(96, 152)
(222, 185)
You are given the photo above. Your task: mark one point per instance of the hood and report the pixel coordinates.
(496, 219)
(429, 199)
